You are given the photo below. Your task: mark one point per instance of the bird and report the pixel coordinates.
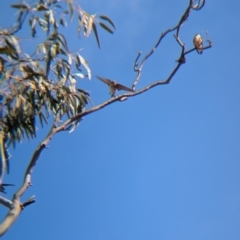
(198, 43)
(114, 86)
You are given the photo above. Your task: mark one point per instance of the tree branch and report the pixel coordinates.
(15, 205)
(5, 202)
(177, 28)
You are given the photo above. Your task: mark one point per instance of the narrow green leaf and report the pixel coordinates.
(63, 40)
(44, 23)
(19, 6)
(12, 50)
(51, 17)
(107, 19)
(79, 75)
(106, 27)
(74, 125)
(4, 159)
(70, 4)
(86, 95)
(63, 22)
(96, 34)
(41, 7)
(88, 25)
(33, 27)
(83, 91)
(57, 5)
(48, 63)
(78, 62)
(15, 41)
(85, 64)
(42, 118)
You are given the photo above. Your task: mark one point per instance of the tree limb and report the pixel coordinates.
(15, 206)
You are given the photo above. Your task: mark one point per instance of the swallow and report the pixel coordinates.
(198, 43)
(114, 86)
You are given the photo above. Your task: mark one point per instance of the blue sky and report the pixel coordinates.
(162, 165)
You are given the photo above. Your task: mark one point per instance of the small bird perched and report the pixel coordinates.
(113, 86)
(198, 43)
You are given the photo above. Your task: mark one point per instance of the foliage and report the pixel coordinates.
(34, 86)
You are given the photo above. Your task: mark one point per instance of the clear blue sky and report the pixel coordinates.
(163, 165)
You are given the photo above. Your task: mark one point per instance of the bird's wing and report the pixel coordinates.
(121, 87)
(105, 80)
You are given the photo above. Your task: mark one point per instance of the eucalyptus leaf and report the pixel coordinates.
(96, 34)
(105, 27)
(107, 19)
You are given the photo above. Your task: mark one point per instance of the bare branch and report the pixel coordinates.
(11, 216)
(28, 173)
(198, 4)
(29, 201)
(5, 202)
(115, 99)
(20, 20)
(139, 69)
(177, 28)
(15, 206)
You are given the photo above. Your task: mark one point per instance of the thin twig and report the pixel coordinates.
(163, 34)
(15, 205)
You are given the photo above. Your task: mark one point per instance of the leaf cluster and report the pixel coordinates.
(34, 86)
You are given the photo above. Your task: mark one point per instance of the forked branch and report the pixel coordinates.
(15, 205)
